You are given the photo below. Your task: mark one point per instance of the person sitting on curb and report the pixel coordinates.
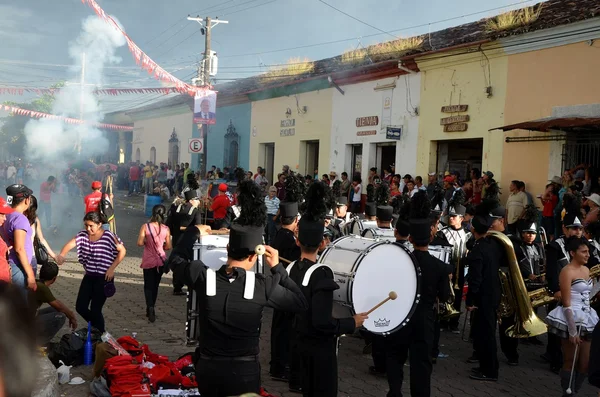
(50, 319)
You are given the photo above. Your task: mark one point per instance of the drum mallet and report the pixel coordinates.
(392, 295)
(260, 250)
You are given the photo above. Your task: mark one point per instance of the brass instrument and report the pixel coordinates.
(515, 297)
(544, 236)
(446, 310)
(456, 253)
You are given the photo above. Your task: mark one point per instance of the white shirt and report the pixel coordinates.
(170, 174)
(11, 171)
(412, 192)
(356, 197)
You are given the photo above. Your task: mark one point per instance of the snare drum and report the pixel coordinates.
(356, 226)
(366, 272)
(441, 252)
(379, 234)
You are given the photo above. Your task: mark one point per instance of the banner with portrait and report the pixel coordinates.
(205, 107)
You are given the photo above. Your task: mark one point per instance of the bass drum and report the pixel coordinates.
(356, 226)
(379, 234)
(367, 271)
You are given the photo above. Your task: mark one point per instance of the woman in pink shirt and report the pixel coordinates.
(155, 237)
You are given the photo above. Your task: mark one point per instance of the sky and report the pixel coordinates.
(35, 35)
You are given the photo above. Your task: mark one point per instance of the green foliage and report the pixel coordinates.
(12, 129)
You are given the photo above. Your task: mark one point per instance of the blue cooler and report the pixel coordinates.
(150, 202)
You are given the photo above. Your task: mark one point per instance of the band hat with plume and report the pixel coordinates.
(191, 195)
(456, 203)
(420, 220)
(437, 201)
(312, 223)
(370, 206)
(384, 211)
(530, 218)
(295, 189)
(246, 231)
(572, 210)
(402, 224)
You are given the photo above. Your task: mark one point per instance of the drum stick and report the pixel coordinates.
(220, 232)
(392, 295)
(260, 250)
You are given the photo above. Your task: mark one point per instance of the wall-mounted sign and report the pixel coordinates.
(455, 108)
(367, 121)
(454, 119)
(195, 145)
(393, 133)
(456, 127)
(287, 127)
(366, 133)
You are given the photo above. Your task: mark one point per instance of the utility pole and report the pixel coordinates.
(204, 77)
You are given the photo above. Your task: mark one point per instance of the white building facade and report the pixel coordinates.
(376, 124)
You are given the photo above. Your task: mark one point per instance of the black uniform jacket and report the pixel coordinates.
(184, 218)
(230, 323)
(556, 258)
(435, 283)
(485, 259)
(526, 263)
(317, 323)
(285, 243)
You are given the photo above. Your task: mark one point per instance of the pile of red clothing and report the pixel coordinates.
(144, 372)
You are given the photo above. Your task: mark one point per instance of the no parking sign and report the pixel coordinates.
(195, 145)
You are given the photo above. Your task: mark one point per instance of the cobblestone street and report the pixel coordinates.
(125, 313)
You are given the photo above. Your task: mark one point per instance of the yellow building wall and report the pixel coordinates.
(459, 78)
(315, 124)
(537, 82)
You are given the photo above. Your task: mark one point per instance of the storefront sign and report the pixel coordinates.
(454, 119)
(366, 133)
(456, 127)
(393, 133)
(367, 121)
(287, 127)
(455, 108)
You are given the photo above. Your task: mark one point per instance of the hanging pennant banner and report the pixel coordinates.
(103, 91)
(205, 107)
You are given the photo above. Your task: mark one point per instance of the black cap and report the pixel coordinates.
(498, 212)
(370, 209)
(244, 239)
(572, 220)
(457, 210)
(288, 209)
(191, 195)
(420, 229)
(310, 232)
(341, 201)
(384, 213)
(17, 191)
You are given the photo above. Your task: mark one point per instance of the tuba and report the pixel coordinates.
(446, 310)
(515, 298)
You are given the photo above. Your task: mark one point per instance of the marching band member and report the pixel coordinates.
(483, 297)
(181, 215)
(370, 205)
(456, 237)
(232, 301)
(529, 254)
(558, 257)
(574, 322)
(414, 341)
(317, 331)
(402, 228)
(282, 325)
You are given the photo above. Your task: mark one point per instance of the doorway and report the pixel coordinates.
(357, 156)
(312, 158)
(267, 154)
(386, 156)
(460, 155)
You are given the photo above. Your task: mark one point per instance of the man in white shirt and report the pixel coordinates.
(11, 172)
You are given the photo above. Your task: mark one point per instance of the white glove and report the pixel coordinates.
(569, 316)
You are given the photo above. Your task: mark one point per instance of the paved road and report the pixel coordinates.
(125, 313)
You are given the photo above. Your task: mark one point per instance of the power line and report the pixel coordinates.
(169, 38)
(249, 8)
(356, 19)
(177, 45)
(212, 7)
(377, 34)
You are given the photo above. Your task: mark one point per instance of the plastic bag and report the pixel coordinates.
(64, 373)
(69, 351)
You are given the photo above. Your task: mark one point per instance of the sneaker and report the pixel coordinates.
(473, 360)
(442, 355)
(479, 376)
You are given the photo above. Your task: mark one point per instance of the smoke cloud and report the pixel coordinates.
(54, 142)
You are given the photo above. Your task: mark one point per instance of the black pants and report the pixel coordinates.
(91, 299)
(435, 346)
(281, 329)
(554, 347)
(416, 339)
(295, 360)
(177, 283)
(222, 378)
(508, 345)
(458, 293)
(484, 334)
(151, 282)
(49, 322)
(378, 353)
(319, 367)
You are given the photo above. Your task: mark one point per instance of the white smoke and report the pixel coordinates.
(54, 142)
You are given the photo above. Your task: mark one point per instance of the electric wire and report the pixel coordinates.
(356, 19)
